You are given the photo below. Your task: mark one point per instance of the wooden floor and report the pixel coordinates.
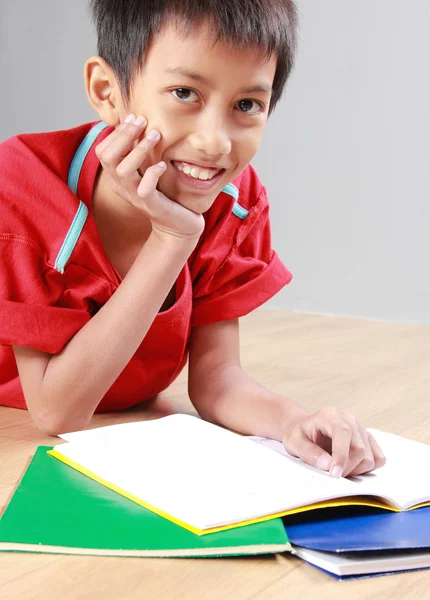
(376, 370)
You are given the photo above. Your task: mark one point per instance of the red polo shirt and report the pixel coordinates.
(55, 274)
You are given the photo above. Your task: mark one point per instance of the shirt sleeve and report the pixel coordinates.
(35, 308)
(42, 307)
(237, 270)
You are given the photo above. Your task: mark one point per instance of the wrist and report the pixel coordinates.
(290, 414)
(176, 241)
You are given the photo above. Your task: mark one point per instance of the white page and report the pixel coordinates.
(361, 563)
(406, 475)
(404, 479)
(207, 476)
(197, 472)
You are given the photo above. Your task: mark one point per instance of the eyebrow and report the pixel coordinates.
(201, 79)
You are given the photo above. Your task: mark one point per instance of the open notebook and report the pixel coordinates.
(206, 478)
(58, 510)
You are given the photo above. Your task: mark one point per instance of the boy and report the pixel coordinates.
(131, 244)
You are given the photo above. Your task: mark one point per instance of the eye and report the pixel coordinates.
(183, 93)
(247, 105)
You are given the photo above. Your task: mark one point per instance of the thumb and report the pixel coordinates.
(309, 452)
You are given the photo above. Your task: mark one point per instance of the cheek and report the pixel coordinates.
(249, 144)
(166, 129)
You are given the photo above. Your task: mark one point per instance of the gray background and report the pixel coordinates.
(345, 156)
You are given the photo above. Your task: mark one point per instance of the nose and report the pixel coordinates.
(210, 137)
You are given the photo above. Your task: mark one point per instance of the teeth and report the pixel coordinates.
(205, 175)
(197, 173)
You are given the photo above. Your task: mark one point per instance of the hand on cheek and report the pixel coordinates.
(121, 159)
(156, 154)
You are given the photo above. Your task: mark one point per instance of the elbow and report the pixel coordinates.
(205, 406)
(204, 414)
(51, 429)
(56, 424)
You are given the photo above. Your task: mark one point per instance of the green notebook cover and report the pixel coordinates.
(56, 509)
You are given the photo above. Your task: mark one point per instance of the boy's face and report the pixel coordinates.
(216, 123)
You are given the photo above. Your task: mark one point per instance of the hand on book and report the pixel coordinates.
(334, 442)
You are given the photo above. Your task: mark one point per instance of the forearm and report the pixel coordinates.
(78, 377)
(233, 399)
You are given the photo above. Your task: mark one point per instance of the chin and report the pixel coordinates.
(198, 204)
(196, 201)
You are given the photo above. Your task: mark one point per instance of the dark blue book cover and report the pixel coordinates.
(353, 529)
(365, 537)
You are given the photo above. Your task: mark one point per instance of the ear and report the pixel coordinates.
(103, 91)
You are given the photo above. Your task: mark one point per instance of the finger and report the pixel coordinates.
(120, 145)
(301, 446)
(360, 457)
(100, 148)
(340, 443)
(112, 136)
(330, 424)
(147, 187)
(128, 168)
(378, 455)
(361, 454)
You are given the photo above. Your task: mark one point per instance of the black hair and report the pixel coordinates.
(125, 29)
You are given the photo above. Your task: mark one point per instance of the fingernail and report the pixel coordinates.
(323, 462)
(153, 135)
(139, 121)
(336, 471)
(130, 118)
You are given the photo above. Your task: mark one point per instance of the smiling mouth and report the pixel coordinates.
(197, 179)
(197, 172)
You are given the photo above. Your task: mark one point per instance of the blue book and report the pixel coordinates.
(351, 542)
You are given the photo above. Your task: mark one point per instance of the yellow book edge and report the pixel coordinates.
(346, 501)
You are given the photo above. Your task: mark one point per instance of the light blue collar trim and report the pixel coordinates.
(81, 153)
(71, 238)
(238, 210)
(231, 190)
(78, 223)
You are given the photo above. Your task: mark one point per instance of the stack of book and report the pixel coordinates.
(181, 487)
